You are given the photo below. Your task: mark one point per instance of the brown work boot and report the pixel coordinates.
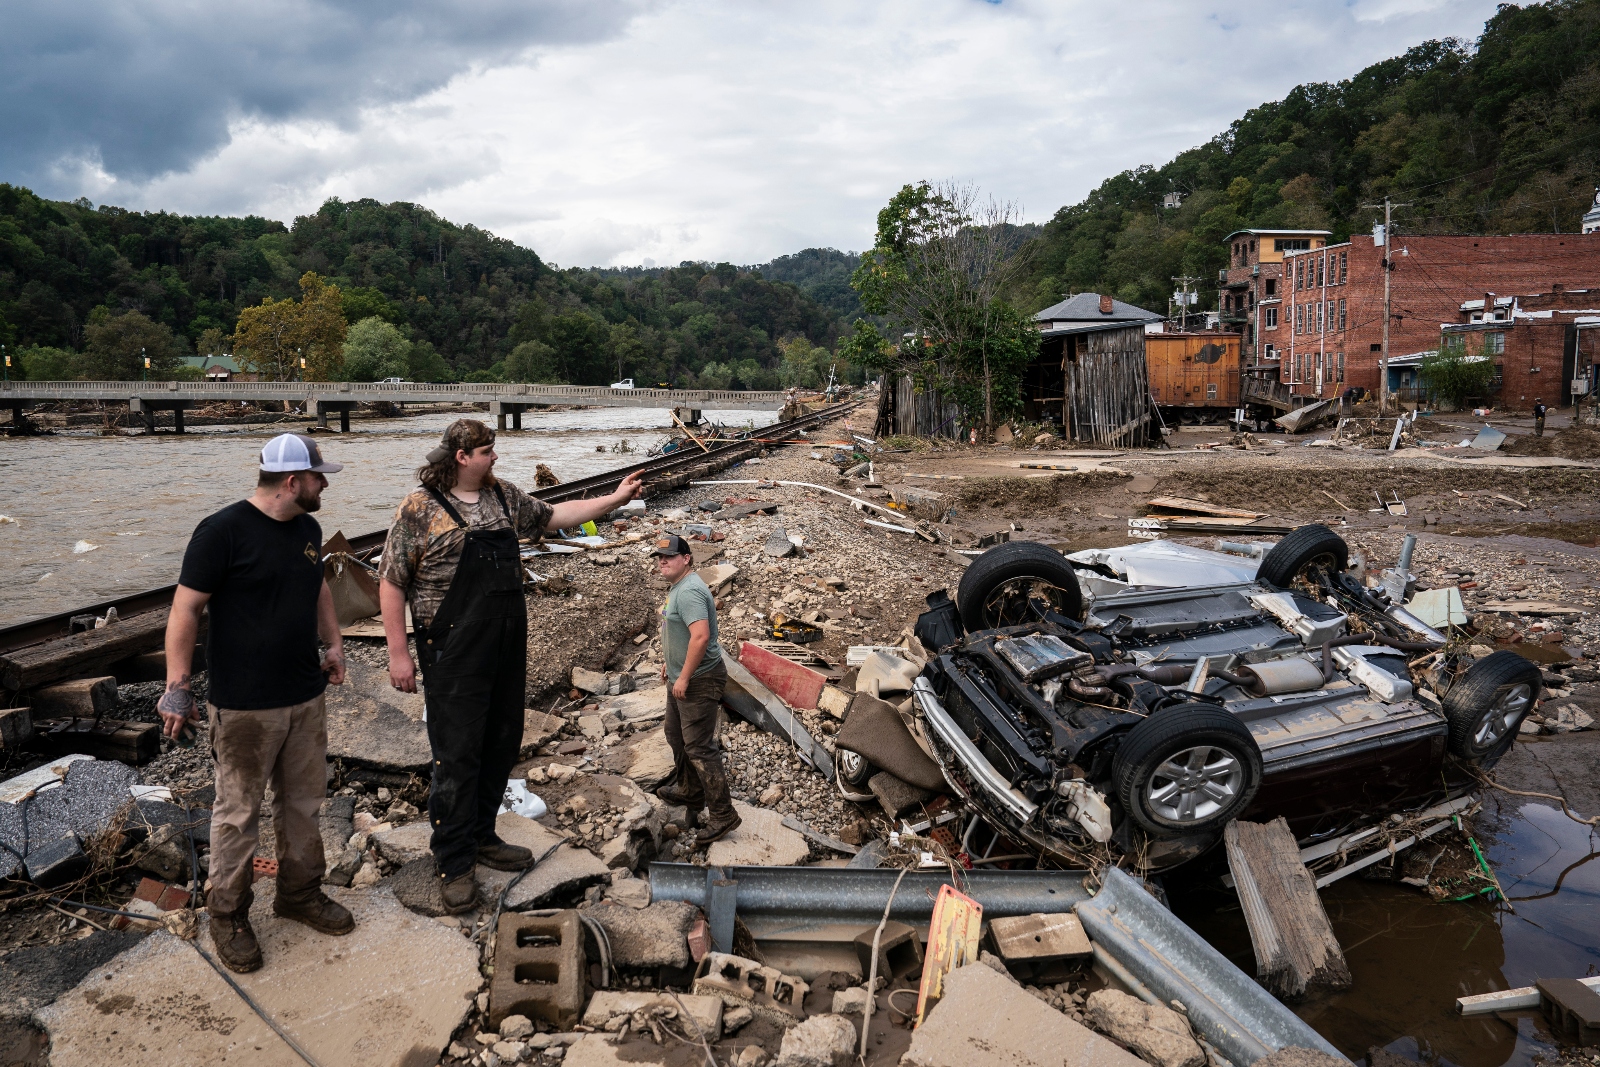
(503, 857)
(235, 942)
(460, 893)
(317, 912)
(684, 789)
(722, 819)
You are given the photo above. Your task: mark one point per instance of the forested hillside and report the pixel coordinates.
(1500, 137)
(483, 303)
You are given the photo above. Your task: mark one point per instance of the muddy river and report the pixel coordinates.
(99, 517)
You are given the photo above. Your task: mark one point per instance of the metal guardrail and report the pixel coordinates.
(398, 393)
(1228, 1008)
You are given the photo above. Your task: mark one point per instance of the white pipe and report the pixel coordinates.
(889, 526)
(809, 485)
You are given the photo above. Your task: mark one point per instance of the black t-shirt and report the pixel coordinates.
(264, 577)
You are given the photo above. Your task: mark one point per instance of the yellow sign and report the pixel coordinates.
(953, 938)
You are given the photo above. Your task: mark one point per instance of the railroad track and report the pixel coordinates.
(661, 474)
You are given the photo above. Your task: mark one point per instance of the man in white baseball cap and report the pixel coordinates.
(257, 566)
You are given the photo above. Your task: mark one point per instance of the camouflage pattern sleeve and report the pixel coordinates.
(529, 514)
(407, 541)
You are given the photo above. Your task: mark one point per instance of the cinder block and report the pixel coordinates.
(1039, 938)
(1572, 1008)
(777, 997)
(899, 951)
(538, 969)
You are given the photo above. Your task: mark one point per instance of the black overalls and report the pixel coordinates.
(474, 667)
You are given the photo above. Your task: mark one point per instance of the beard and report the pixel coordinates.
(308, 497)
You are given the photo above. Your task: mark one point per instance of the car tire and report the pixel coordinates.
(1186, 770)
(1485, 708)
(1000, 574)
(853, 769)
(1298, 550)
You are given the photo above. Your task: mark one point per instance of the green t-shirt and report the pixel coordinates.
(688, 601)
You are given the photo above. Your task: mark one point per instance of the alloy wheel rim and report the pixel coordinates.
(1503, 716)
(1194, 784)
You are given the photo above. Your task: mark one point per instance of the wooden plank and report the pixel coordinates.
(90, 652)
(130, 742)
(1183, 505)
(1296, 952)
(79, 698)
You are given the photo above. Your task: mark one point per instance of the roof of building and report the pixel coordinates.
(1085, 307)
(1280, 233)
(227, 363)
(1092, 327)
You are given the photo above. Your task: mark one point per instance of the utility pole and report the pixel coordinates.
(1387, 262)
(1184, 283)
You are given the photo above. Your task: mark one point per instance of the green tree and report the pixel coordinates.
(45, 364)
(364, 302)
(627, 350)
(533, 361)
(941, 262)
(374, 350)
(1452, 376)
(119, 344)
(427, 365)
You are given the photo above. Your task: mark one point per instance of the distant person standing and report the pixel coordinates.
(452, 556)
(257, 566)
(1538, 416)
(696, 677)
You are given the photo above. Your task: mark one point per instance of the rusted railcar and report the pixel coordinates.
(1194, 377)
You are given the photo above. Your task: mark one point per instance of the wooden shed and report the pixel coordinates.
(1194, 371)
(1092, 380)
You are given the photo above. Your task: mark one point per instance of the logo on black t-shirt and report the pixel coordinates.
(311, 553)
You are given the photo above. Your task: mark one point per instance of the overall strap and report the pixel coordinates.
(501, 493)
(438, 498)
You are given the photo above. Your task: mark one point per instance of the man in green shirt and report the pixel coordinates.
(696, 676)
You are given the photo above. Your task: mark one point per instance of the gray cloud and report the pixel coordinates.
(141, 89)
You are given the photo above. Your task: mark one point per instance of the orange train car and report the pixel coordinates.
(1194, 376)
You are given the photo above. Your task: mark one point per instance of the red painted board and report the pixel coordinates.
(796, 686)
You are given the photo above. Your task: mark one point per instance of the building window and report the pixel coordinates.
(1321, 317)
(1320, 264)
(1291, 244)
(1344, 272)
(1494, 343)
(1299, 318)
(1299, 274)
(1272, 286)
(1341, 318)
(1376, 347)
(1341, 365)
(1211, 390)
(1272, 318)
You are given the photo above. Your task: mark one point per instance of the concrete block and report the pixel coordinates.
(833, 701)
(777, 997)
(395, 984)
(607, 1004)
(1037, 938)
(539, 969)
(56, 862)
(899, 951)
(403, 844)
(1572, 1009)
(760, 841)
(1157, 1033)
(656, 936)
(852, 1001)
(821, 1041)
(987, 1020)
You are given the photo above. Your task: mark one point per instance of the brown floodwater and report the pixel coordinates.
(1410, 957)
(100, 517)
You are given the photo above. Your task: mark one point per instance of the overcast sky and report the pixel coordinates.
(649, 131)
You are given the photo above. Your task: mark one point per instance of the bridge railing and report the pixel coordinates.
(375, 391)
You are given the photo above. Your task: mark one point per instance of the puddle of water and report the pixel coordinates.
(128, 504)
(1410, 958)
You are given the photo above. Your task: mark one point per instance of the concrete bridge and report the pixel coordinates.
(322, 398)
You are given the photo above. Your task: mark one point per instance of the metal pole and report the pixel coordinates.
(1383, 364)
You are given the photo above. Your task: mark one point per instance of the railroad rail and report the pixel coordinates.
(662, 474)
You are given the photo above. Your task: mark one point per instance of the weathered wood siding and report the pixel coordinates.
(920, 412)
(1108, 388)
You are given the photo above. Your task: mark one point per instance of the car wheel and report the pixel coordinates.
(853, 769)
(996, 588)
(1485, 708)
(1313, 545)
(1186, 771)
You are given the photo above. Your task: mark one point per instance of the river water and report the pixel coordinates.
(101, 517)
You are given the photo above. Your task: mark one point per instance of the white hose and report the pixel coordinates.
(810, 485)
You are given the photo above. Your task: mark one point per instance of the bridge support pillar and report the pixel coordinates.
(501, 408)
(321, 408)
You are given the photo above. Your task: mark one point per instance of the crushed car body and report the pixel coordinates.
(1147, 696)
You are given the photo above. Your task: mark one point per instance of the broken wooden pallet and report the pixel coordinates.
(1296, 951)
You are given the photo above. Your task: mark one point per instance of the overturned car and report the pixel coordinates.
(1112, 697)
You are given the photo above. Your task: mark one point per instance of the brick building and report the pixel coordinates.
(1543, 345)
(1250, 291)
(1330, 330)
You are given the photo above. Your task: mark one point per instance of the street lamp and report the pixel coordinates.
(145, 375)
(8, 362)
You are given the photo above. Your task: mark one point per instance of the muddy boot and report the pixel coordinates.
(460, 893)
(316, 911)
(235, 942)
(503, 857)
(721, 818)
(685, 789)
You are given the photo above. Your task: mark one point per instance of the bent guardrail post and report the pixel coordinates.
(1239, 1018)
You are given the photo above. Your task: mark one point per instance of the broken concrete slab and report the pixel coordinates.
(988, 1020)
(641, 705)
(391, 991)
(896, 795)
(656, 936)
(34, 977)
(403, 844)
(820, 1041)
(371, 722)
(1157, 1033)
(95, 790)
(538, 727)
(760, 841)
(607, 1004)
(566, 871)
(778, 544)
(646, 758)
(1039, 938)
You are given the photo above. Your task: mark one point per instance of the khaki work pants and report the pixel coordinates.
(287, 747)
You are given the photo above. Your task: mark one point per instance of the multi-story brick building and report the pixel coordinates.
(1250, 291)
(1544, 346)
(1330, 333)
